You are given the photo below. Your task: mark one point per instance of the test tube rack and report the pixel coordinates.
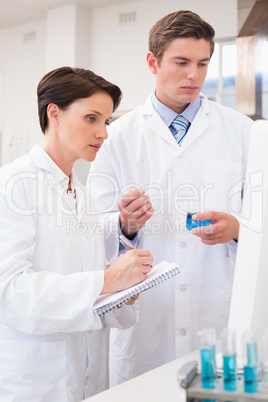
(196, 392)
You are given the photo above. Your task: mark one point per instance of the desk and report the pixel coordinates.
(158, 385)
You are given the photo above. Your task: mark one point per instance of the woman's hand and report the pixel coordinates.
(129, 269)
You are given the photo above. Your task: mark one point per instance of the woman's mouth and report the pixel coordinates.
(96, 147)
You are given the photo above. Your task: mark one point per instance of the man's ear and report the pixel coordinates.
(53, 113)
(152, 62)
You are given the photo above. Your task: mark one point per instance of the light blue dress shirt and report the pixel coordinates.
(168, 115)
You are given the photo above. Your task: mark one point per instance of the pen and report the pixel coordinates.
(126, 243)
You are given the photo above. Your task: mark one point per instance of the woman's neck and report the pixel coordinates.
(57, 154)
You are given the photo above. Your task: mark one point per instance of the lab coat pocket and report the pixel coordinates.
(32, 371)
(224, 183)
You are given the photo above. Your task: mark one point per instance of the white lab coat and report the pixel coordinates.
(52, 346)
(205, 173)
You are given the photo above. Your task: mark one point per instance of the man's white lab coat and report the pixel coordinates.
(52, 346)
(205, 173)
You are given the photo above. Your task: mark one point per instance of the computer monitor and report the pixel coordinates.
(249, 303)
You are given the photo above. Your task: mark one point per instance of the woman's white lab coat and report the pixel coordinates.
(205, 173)
(52, 346)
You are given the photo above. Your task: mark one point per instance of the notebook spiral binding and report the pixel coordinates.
(101, 311)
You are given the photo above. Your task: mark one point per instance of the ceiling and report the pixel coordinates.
(13, 12)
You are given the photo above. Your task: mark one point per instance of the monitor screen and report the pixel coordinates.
(249, 303)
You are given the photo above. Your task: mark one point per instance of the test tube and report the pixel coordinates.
(265, 358)
(229, 360)
(191, 224)
(208, 357)
(251, 367)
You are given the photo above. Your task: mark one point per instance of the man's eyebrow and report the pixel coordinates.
(185, 58)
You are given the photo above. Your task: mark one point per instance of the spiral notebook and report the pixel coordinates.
(158, 274)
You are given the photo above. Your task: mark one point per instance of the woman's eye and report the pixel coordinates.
(92, 119)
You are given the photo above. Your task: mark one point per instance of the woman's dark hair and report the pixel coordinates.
(65, 85)
(180, 24)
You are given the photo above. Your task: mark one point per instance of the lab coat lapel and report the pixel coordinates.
(199, 125)
(80, 197)
(159, 128)
(54, 187)
(155, 124)
(197, 128)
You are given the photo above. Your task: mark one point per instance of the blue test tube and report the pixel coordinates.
(229, 360)
(191, 224)
(265, 358)
(251, 367)
(208, 357)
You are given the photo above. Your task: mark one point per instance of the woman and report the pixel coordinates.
(52, 255)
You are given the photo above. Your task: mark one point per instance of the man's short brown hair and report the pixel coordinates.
(180, 24)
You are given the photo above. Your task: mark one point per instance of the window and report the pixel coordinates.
(221, 77)
(220, 81)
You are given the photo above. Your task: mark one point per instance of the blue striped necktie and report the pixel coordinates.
(180, 127)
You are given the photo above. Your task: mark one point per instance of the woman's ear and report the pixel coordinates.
(152, 62)
(53, 113)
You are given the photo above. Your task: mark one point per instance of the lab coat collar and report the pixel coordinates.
(197, 128)
(148, 107)
(43, 162)
(155, 122)
(199, 124)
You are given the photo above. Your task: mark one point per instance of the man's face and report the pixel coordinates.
(181, 72)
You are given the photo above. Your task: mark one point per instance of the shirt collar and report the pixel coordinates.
(168, 115)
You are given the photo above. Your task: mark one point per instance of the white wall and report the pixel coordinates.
(67, 36)
(116, 52)
(119, 52)
(22, 64)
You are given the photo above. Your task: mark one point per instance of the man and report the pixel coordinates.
(197, 170)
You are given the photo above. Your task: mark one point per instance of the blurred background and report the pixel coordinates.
(109, 37)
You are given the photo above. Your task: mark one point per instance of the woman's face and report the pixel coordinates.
(82, 126)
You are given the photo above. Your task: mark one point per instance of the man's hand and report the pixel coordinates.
(135, 209)
(128, 270)
(132, 300)
(223, 228)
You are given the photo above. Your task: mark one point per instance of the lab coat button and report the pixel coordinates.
(183, 287)
(182, 332)
(49, 176)
(183, 244)
(81, 229)
(86, 381)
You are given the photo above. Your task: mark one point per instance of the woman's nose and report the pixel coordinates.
(103, 132)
